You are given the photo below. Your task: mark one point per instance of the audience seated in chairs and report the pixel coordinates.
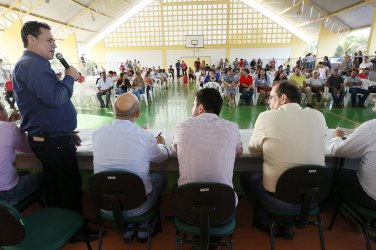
(286, 119)
(317, 86)
(9, 94)
(109, 143)
(299, 78)
(138, 85)
(246, 86)
(230, 86)
(104, 85)
(355, 87)
(14, 187)
(263, 85)
(122, 84)
(336, 87)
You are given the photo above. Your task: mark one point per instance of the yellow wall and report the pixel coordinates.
(298, 47)
(327, 43)
(98, 53)
(372, 35)
(11, 42)
(68, 48)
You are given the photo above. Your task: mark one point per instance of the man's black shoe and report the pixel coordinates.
(80, 236)
(286, 232)
(266, 229)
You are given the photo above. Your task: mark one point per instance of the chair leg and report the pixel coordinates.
(177, 241)
(272, 239)
(100, 235)
(149, 235)
(334, 217)
(319, 224)
(366, 232)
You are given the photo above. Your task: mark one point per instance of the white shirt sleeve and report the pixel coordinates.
(353, 147)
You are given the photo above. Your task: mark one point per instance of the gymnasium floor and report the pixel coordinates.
(174, 105)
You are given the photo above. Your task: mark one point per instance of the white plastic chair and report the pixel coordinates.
(144, 97)
(157, 86)
(213, 85)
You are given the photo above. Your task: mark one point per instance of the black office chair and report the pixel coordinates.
(44, 229)
(305, 185)
(365, 217)
(117, 191)
(204, 210)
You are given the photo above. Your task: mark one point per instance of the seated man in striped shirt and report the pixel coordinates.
(206, 145)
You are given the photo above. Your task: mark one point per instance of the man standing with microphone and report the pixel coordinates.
(49, 116)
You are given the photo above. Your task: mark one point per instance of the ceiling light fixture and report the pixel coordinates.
(129, 14)
(278, 19)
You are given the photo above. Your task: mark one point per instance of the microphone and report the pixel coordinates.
(60, 57)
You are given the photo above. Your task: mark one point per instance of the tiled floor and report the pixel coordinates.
(341, 237)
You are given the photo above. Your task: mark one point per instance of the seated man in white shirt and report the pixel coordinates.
(355, 87)
(286, 136)
(206, 145)
(359, 185)
(122, 145)
(104, 85)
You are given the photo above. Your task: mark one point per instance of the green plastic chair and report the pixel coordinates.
(118, 191)
(45, 229)
(204, 210)
(363, 216)
(305, 185)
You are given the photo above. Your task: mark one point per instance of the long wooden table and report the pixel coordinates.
(85, 155)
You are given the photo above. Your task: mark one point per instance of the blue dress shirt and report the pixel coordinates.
(43, 100)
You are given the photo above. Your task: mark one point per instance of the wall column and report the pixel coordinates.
(327, 43)
(298, 48)
(68, 48)
(371, 48)
(11, 42)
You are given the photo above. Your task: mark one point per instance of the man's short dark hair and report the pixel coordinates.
(290, 89)
(211, 99)
(32, 28)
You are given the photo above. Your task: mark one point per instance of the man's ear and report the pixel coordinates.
(284, 99)
(137, 114)
(30, 40)
(200, 109)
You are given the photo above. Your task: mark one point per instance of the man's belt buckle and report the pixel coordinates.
(37, 138)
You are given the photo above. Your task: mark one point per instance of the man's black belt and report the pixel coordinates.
(44, 136)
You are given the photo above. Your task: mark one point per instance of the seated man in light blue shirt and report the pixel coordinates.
(122, 145)
(355, 84)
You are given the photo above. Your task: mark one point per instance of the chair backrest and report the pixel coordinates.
(117, 191)
(213, 85)
(305, 185)
(12, 229)
(192, 200)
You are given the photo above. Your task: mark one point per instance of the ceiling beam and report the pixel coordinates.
(42, 17)
(290, 8)
(332, 14)
(85, 7)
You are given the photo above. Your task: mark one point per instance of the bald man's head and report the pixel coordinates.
(126, 106)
